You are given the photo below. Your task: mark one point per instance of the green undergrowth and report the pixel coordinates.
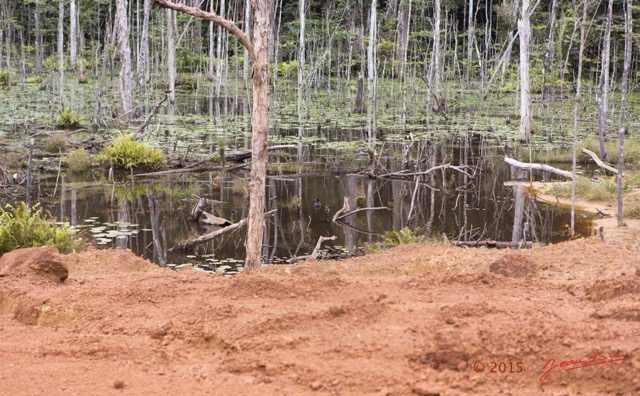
(393, 238)
(22, 227)
(590, 190)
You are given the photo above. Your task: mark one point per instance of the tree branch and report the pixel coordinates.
(215, 18)
(543, 167)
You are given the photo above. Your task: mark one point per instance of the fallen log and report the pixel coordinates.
(494, 244)
(599, 162)
(543, 167)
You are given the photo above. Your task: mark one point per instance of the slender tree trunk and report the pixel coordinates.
(624, 88)
(402, 42)
(372, 75)
(301, 66)
(471, 39)
(436, 79)
(260, 130)
(61, 50)
(524, 28)
(576, 104)
(126, 76)
(38, 42)
(171, 55)
(603, 85)
(247, 31)
(143, 54)
(73, 34)
(219, 52)
(547, 64)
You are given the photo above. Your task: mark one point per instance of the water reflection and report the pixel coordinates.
(150, 216)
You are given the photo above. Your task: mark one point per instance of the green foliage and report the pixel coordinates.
(126, 153)
(288, 69)
(68, 119)
(22, 227)
(78, 160)
(37, 79)
(55, 143)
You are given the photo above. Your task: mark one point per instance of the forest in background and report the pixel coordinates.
(471, 43)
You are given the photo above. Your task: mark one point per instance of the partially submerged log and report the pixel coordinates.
(197, 210)
(599, 162)
(209, 236)
(316, 250)
(543, 167)
(495, 244)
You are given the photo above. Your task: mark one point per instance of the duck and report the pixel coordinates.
(209, 219)
(317, 205)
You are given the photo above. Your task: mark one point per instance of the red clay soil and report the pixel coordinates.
(417, 319)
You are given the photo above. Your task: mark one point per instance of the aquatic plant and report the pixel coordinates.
(126, 153)
(77, 161)
(5, 78)
(22, 227)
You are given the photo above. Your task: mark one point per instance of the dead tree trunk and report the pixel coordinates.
(126, 76)
(624, 87)
(524, 28)
(259, 118)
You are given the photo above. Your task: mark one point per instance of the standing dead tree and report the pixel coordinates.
(257, 51)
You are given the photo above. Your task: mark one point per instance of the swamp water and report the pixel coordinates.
(307, 184)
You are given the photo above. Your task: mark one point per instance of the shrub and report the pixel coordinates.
(78, 160)
(22, 227)
(126, 153)
(67, 119)
(55, 143)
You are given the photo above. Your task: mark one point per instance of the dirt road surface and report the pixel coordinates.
(417, 319)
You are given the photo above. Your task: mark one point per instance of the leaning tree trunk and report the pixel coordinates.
(126, 76)
(624, 88)
(524, 28)
(603, 86)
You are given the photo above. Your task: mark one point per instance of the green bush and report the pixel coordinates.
(126, 153)
(22, 227)
(77, 161)
(67, 119)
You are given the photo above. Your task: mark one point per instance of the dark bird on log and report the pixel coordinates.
(208, 218)
(317, 205)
